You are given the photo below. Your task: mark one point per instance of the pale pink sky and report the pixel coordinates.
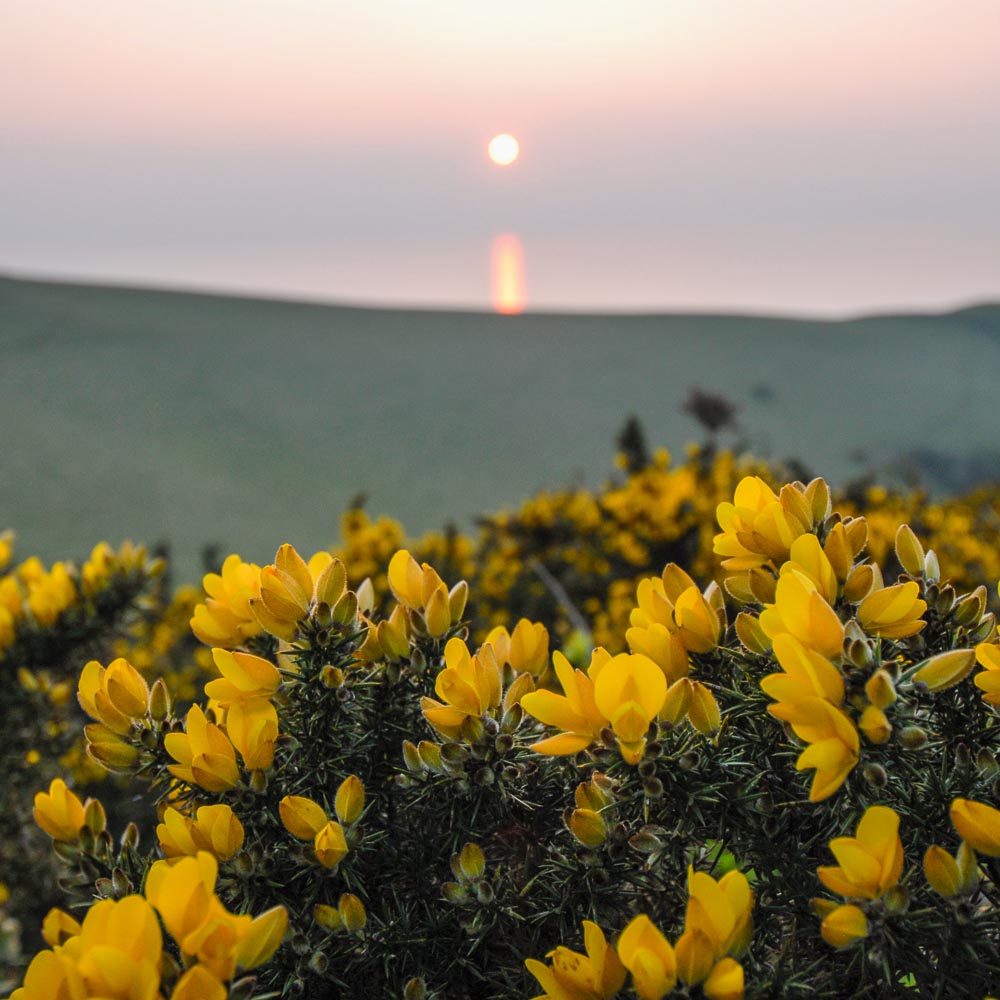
(764, 154)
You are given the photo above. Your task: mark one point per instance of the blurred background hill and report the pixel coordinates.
(249, 422)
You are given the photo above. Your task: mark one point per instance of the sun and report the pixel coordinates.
(503, 149)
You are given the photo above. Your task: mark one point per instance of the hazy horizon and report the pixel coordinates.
(762, 156)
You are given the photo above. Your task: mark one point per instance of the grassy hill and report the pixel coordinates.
(251, 422)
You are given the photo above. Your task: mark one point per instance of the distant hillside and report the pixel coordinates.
(251, 422)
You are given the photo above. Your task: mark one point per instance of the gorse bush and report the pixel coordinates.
(778, 780)
(51, 619)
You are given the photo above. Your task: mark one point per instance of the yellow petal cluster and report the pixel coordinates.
(596, 975)
(801, 610)
(116, 695)
(893, 612)
(809, 694)
(115, 956)
(758, 526)
(871, 862)
(214, 829)
(204, 753)
(183, 893)
(674, 618)
(575, 712)
(59, 812)
(526, 649)
(418, 587)
(468, 686)
(307, 820)
(225, 618)
(291, 589)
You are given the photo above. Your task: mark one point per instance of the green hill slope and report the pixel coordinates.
(249, 422)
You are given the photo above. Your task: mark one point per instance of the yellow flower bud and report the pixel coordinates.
(946, 669)
(942, 872)
(330, 845)
(457, 598)
(58, 927)
(874, 724)
(750, 633)
(880, 690)
(352, 913)
(859, 583)
(59, 812)
(109, 749)
(703, 712)
(331, 583)
(978, 825)
(844, 925)
(893, 612)
(697, 622)
(837, 549)
(471, 862)
(350, 800)
(588, 827)
(437, 614)
(909, 551)
(302, 817)
(328, 917)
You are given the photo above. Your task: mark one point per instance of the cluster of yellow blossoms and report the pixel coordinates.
(717, 929)
(116, 953)
(556, 787)
(33, 597)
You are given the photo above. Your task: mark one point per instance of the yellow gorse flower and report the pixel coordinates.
(468, 686)
(799, 609)
(115, 956)
(59, 812)
(649, 956)
(809, 694)
(244, 678)
(673, 618)
(419, 588)
(871, 862)
(596, 975)
(225, 619)
(629, 692)
(204, 753)
(307, 820)
(721, 911)
(115, 696)
(215, 829)
(758, 526)
(575, 712)
(526, 649)
(183, 893)
(893, 612)
(978, 825)
(291, 589)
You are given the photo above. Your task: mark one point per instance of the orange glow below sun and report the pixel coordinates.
(507, 270)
